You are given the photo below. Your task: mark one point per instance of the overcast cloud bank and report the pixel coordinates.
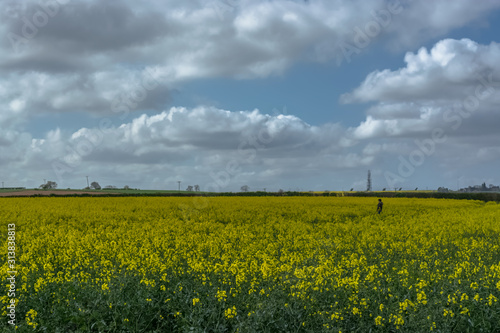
(115, 61)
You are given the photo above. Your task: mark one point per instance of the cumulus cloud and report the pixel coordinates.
(454, 86)
(451, 70)
(80, 55)
(424, 19)
(109, 92)
(203, 140)
(116, 58)
(442, 106)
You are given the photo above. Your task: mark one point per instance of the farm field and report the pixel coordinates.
(252, 264)
(75, 192)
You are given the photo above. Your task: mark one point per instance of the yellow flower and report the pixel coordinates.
(448, 313)
(422, 297)
(30, 318)
(251, 247)
(230, 312)
(221, 295)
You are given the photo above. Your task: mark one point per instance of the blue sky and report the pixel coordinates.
(225, 93)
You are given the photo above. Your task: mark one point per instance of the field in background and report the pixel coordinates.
(83, 192)
(227, 264)
(483, 196)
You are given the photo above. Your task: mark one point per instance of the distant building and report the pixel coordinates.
(481, 188)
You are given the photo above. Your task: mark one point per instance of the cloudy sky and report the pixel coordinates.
(275, 94)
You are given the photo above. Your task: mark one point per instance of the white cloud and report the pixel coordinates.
(430, 19)
(231, 148)
(61, 66)
(451, 70)
(454, 86)
(198, 143)
(121, 57)
(442, 108)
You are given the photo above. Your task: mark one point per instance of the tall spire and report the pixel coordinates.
(369, 182)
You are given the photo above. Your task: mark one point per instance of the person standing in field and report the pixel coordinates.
(379, 206)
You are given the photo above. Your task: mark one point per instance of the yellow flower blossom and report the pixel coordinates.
(31, 318)
(230, 312)
(320, 259)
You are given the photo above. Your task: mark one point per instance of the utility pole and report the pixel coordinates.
(179, 185)
(88, 181)
(369, 182)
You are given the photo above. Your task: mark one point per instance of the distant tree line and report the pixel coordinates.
(49, 185)
(481, 188)
(483, 196)
(195, 188)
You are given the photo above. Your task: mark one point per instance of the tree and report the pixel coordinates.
(189, 188)
(95, 186)
(244, 188)
(126, 187)
(49, 185)
(197, 188)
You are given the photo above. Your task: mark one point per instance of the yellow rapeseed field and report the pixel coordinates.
(256, 264)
